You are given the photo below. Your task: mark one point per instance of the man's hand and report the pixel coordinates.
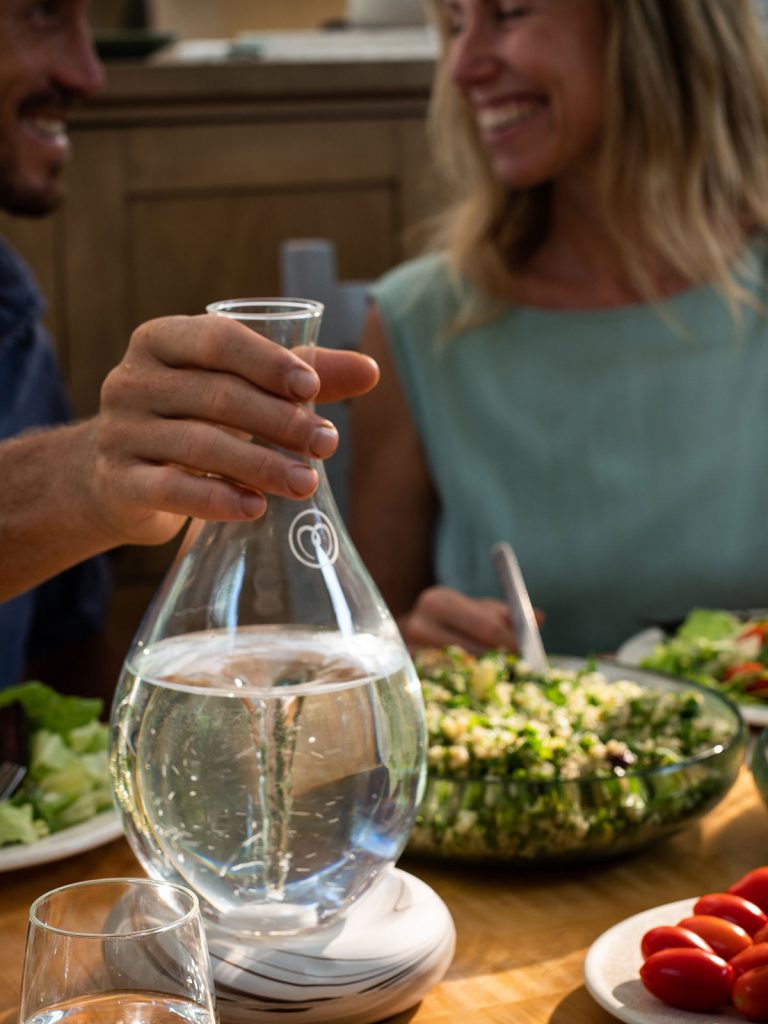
(173, 437)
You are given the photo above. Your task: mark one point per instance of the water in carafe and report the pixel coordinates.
(268, 730)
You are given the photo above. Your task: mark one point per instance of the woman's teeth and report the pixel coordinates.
(494, 119)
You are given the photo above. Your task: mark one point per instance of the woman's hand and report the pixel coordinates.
(173, 435)
(443, 616)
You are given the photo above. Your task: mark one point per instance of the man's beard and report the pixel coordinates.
(27, 202)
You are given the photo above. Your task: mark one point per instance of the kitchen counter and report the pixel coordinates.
(351, 65)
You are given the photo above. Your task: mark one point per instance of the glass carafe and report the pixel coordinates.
(268, 727)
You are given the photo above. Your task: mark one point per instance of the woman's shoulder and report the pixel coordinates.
(424, 286)
(754, 263)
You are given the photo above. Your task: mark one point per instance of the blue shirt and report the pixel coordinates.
(623, 453)
(70, 607)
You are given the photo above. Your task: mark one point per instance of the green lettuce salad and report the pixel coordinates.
(67, 780)
(718, 649)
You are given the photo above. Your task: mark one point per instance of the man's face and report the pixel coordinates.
(46, 63)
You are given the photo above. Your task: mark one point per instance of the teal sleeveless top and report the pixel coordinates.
(623, 453)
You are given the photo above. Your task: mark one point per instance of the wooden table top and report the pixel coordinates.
(522, 936)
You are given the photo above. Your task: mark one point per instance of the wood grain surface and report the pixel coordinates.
(522, 935)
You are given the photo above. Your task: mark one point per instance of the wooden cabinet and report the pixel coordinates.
(186, 179)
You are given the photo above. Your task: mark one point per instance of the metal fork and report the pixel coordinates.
(13, 748)
(520, 609)
(11, 776)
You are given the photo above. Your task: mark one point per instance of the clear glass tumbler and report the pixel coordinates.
(117, 951)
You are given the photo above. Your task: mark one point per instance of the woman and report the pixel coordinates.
(580, 364)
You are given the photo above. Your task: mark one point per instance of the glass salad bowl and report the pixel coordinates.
(593, 760)
(758, 763)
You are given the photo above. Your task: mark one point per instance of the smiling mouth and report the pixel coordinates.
(503, 116)
(49, 128)
(43, 114)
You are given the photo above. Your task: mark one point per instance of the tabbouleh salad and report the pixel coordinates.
(523, 765)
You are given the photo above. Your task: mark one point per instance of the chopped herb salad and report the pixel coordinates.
(568, 763)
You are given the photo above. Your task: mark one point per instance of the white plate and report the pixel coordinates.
(77, 839)
(612, 972)
(640, 645)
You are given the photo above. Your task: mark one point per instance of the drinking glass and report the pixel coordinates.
(117, 951)
(268, 727)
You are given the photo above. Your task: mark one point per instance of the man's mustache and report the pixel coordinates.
(59, 99)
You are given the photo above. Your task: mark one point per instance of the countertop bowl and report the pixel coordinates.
(526, 820)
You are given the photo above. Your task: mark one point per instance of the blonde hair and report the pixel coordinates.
(684, 165)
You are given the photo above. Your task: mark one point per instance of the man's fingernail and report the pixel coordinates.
(253, 505)
(303, 383)
(324, 440)
(302, 480)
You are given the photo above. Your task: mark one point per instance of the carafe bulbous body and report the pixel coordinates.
(268, 727)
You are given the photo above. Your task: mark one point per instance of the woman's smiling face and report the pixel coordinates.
(533, 75)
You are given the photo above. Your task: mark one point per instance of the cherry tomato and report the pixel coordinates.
(750, 676)
(750, 994)
(670, 936)
(761, 936)
(690, 979)
(753, 887)
(759, 629)
(744, 668)
(726, 938)
(753, 956)
(733, 908)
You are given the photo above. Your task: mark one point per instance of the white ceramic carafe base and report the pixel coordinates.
(383, 956)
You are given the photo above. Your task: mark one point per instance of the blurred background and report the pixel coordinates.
(225, 18)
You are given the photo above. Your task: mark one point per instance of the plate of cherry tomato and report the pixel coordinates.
(696, 959)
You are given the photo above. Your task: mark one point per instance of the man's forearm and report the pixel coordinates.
(172, 439)
(45, 525)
